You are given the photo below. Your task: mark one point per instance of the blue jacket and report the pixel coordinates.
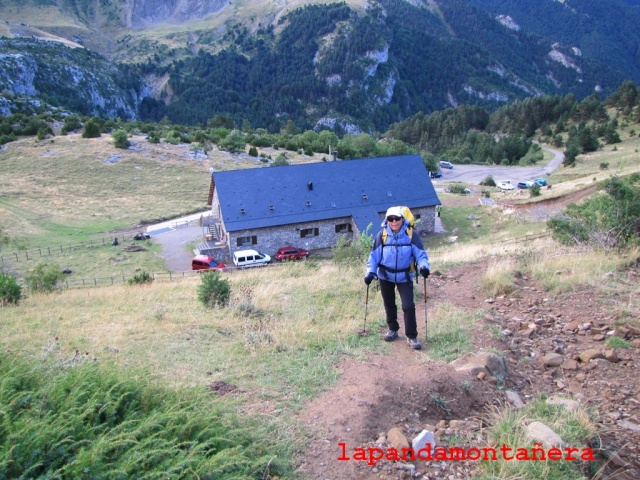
(392, 260)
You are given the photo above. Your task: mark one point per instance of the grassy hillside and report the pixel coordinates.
(288, 328)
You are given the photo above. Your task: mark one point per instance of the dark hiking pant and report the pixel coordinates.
(387, 289)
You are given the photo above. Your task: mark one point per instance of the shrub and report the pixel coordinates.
(44, 277)
(10, 290)
(214, 290)
(534, 191)
(458, 188)
(604, 165)
(91, 129)
(120, 139)
(253, 151)
(140, 278)
(488, 182)
(280, 160)
(353, 252)
(608, 221)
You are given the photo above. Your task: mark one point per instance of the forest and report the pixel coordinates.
(466, 134)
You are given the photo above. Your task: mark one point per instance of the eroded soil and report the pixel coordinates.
(408, 390)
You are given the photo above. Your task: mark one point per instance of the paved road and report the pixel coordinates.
(175, 237)
(474, 174)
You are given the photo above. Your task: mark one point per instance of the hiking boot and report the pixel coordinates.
(390, 336)
(414, 343)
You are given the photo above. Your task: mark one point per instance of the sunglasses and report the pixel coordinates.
(393, 219)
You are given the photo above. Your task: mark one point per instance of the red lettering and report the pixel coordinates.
(476, 454)
(569, 452)
(486, 450)
(412, 455)
(392, 455)
(587, 455)
(359, 454)
(428, 451)
(343, 447)
(522, 454)
(457, 453)
(537, 448)
(441, 454)
(504, 450)
(554, 454)
(373, 458)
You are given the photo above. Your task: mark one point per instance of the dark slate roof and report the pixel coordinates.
(271, 196)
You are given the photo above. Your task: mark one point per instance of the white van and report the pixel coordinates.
(250, 258)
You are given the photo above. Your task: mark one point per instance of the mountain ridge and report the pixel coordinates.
(349, 66)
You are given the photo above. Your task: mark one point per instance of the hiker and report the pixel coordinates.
(391, 261)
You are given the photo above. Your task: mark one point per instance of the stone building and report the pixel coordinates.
(312, 205)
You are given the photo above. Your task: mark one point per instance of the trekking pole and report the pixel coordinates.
(366, 308)
(426, 337)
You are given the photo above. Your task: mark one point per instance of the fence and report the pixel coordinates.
(71, 282)
(38, 252)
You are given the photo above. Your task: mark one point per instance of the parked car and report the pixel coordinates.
(291, 253)
(505, 185)
(437, 174)
(205, 262)
(445, 164)
(541, 181)
(526, 184)
(250, 258)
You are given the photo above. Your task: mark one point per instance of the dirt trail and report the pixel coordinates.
(406, 389)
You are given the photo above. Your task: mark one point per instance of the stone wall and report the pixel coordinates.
(270, 239)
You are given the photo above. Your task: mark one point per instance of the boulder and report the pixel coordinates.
(481, 362)
(552, 360)
(539, 432)
(590, 354)
(396, 438)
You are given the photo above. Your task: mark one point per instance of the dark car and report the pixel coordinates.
(525, 184)
(437, 174)
(291, 253)
(205, 262)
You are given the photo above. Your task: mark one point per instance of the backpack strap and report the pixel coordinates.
(414, 265)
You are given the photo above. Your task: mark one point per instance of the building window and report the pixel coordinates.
(309, 232)
(247, 241)
(343, 228)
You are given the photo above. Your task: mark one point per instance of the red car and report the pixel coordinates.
(205, 262)
(291, 253)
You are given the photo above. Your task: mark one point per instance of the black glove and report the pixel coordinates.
(424, 271)
(370, 277)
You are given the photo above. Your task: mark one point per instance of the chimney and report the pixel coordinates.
(310, 185)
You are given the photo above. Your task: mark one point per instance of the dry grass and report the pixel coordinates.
(498, 278)
(286, 326)
(66, 186)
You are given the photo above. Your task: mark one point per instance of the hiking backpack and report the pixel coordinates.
(406, 213)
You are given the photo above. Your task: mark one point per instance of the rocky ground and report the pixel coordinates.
(551, 345)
